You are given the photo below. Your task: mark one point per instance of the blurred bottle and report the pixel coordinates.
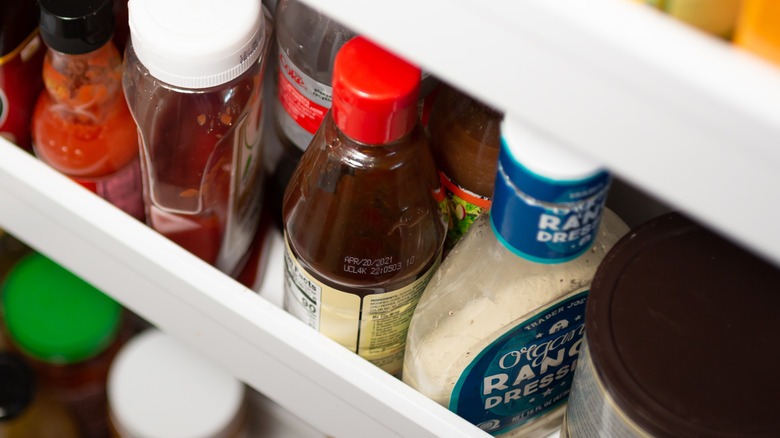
(26, 409)
(306, 42)
(364, 228)
(21, 60)
(69, 331)
(81, 125)
(716, 17)
(159, 387)
(494, 337)
(193, 79)
(465, 139)
(758, 29)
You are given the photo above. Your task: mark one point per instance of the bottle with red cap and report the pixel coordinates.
(363, 225)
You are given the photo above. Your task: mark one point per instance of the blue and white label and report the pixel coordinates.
(524, 373)
(544, 220)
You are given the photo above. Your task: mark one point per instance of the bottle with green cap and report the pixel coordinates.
(26, 408)
(70, 332)
(496, 334)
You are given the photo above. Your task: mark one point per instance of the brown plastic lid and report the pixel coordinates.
(683, 332)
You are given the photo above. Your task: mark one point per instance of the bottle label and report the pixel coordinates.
(20, 84)
(123, 189)
(525, 372)
(548, 221)
(305, 102)
(464, 206)
(374, 326)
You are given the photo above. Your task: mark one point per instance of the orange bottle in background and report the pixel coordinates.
(81, 125)
(758, 28)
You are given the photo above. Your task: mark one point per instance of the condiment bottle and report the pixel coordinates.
(21, 60)
(495, 335)
(159, 387)
(758, 29)
(26, 409)
(69, 331)
(193, 79)
(716, 17)
(465, 139)
(306, 42)
(363, 228)
(676, 310)
(81, 125)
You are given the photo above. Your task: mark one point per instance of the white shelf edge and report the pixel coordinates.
(685, 117)
(327, 386)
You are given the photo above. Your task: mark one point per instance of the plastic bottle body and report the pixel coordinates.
(201, 155)
(465, 139)
(82, 127)
(363, 219)
(306, 45)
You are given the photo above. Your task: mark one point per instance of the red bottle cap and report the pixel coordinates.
(374, 93)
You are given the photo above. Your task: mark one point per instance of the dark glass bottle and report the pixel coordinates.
(363, 222)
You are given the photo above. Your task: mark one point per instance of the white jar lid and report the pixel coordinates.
(160, 388)
(196, 43)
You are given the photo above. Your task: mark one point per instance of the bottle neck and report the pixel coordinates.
(89, 82)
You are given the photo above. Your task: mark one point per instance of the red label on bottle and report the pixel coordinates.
(20, 84)
(307, 114)
(122, 189)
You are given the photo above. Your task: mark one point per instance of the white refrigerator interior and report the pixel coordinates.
(688, 119)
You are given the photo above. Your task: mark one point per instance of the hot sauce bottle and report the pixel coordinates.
(21, 58)
(81, 125)
(363, 225)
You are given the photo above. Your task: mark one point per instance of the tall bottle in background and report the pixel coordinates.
(496, 333)
(758, 29)
(465, 139)
(69, 332)
(21, 60)
(81, 125)
(306, 42)
(193, 79)
(363, 226)
(27, 409)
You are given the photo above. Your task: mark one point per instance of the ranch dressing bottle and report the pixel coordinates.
(496, 334)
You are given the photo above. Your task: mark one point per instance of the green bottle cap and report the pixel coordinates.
(53, 315)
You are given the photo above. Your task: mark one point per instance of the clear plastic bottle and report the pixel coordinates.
(363, 225)
(193, 80)
(465, 139)
(27, 410)
(496, 333)
(81, 125)
(306, 42)
(69, 332)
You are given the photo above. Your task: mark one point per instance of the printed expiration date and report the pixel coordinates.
(378, 266)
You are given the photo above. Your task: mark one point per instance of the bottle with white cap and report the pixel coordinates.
(496, 333)
(193, 81)
(159, 387)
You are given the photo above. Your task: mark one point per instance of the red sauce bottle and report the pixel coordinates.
(362, 217)
(21, 58)
(81, 125)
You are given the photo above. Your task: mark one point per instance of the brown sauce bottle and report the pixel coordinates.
(363, 222)
(465, 139)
